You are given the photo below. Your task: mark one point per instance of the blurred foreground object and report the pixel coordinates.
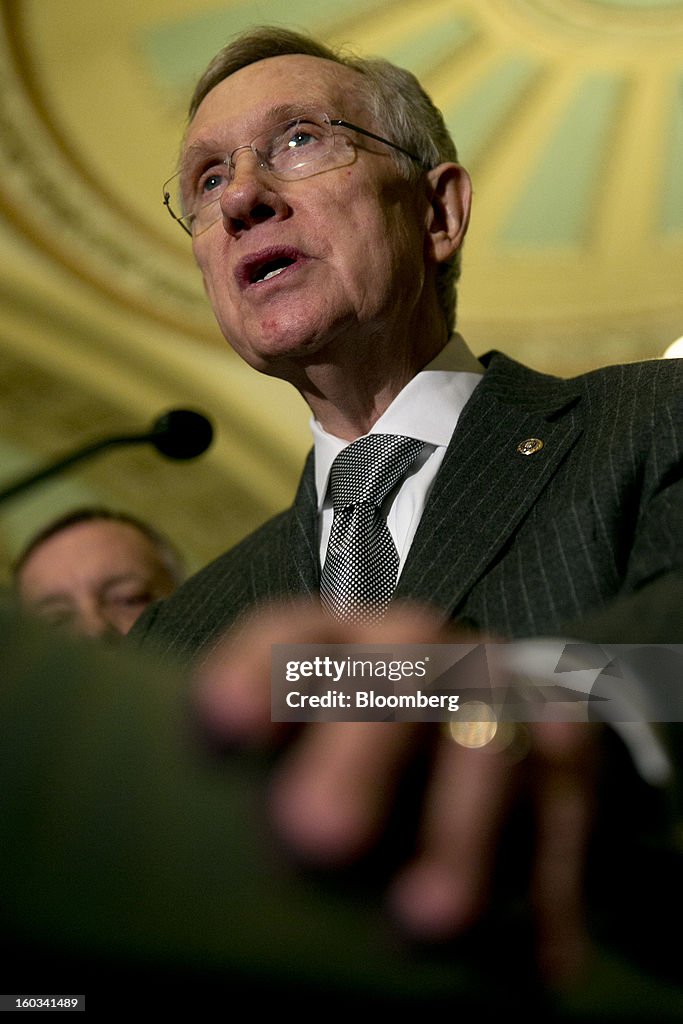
(132, 854)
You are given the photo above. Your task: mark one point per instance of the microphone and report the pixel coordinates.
(181, 434)
(177, 434)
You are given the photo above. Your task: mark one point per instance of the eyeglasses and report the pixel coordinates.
(296, 148)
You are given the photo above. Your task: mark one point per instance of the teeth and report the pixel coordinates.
(271, 268)
(273, 273)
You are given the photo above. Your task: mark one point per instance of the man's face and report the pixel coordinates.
(355, 234)
(95, 578)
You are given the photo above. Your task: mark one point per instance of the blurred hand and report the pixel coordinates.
(336, 781)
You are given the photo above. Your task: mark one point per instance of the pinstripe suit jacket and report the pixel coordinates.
(582, 538)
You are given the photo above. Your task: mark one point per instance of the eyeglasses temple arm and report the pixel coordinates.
(167, 204)
(379, 138)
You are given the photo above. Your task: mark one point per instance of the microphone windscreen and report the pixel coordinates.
(182, 434)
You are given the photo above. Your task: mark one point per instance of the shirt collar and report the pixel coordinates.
(427, 408)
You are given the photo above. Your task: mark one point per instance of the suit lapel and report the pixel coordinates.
(467, 521)
(301, 557)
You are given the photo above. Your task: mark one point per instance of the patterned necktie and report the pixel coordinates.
(361, 565)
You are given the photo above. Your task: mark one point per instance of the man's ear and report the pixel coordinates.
(449, 210)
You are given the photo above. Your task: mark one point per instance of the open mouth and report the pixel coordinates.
(270, 269)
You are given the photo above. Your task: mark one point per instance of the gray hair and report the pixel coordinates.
(395, 99)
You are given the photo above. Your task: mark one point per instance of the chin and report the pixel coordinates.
(280, 343)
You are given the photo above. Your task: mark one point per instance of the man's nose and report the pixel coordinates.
(249, 199)
(93, 623)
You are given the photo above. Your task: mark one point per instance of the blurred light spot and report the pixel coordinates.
(475, 726)
(675, 350)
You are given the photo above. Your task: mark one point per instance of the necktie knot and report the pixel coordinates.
(368, 469)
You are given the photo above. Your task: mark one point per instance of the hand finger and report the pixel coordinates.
(334, 789)
(232, 686)
(443, 891)
(563, 767)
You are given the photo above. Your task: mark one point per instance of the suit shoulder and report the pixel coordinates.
(213, 596)
(664, 374)
(642, 383)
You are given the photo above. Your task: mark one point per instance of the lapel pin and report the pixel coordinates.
(530, 446)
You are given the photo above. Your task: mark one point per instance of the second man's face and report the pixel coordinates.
(351, 238)
(94, 578)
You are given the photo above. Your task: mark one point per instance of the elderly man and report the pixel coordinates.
(94, 570)
(327, 211)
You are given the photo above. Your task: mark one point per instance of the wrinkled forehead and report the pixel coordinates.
(259, 95)
(89, 554)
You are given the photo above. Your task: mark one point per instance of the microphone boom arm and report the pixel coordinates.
(25, 482)
(179, 434)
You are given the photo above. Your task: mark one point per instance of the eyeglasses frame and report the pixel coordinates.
(336, 122)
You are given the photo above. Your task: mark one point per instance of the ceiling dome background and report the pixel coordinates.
(568, 114)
